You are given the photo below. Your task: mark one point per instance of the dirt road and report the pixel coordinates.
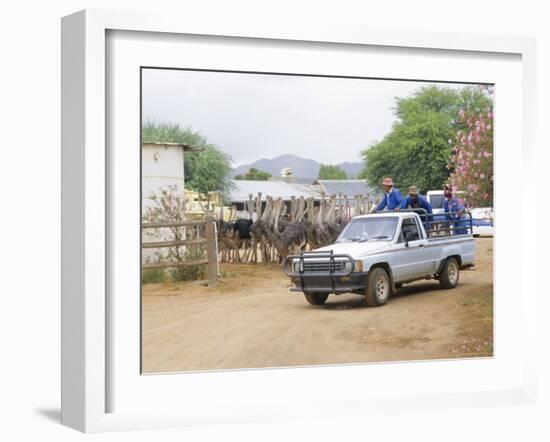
(251, 320)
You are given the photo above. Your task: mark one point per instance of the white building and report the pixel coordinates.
(162, 167)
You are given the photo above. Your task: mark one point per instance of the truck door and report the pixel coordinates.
(413, 258)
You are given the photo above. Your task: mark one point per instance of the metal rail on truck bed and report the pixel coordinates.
(432, 222)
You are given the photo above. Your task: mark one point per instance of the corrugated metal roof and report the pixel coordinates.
(296, 180)
(345, 187)
(276, 189)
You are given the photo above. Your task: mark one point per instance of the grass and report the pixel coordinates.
(477, 333)
(153, 276)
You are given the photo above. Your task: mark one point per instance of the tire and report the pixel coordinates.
(316, 298)
(378, 287)
(450, 274)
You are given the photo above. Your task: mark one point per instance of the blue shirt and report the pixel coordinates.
(422, 202)
(453, 206)
(392, 202)
(462, 223)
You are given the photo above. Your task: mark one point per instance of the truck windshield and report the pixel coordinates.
(369, 229)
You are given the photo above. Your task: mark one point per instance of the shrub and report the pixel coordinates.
(190, 273)
(152, 276)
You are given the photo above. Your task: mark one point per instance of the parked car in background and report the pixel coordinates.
(437, 198)
(482, 221)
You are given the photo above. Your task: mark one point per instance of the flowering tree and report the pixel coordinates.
(416, 152)
(471, 164)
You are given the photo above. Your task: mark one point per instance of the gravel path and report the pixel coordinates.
(251, 320)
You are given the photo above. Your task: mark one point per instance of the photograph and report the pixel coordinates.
(294, 220)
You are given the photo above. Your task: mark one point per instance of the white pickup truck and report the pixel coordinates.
(376, 254)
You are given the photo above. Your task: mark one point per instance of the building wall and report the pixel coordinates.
(162, 167)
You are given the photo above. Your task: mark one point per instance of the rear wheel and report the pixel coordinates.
(378, 287)
(450, 274)
(316, 298)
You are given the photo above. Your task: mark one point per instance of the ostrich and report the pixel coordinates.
(311, 217)
(323, 228)
(260, 228)
(226, 237)
(332, 227)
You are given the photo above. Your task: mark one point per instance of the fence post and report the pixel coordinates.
(211, 254)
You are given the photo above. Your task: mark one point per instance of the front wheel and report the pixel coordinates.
(316, 298)
(377, 291)
(450, 274)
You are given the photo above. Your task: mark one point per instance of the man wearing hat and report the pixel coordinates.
(416, 201)
(455, 210)
(392, 198)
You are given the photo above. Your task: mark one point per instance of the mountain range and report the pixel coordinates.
(301, 167)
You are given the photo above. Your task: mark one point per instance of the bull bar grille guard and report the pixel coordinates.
(332, 259)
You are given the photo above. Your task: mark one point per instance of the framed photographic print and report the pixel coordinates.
(267, 223)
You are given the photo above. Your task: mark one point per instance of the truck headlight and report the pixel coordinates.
(296, 268)
(358, 267)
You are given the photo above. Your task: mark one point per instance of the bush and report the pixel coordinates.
(153, 276)
(169, 206)
(190, 273)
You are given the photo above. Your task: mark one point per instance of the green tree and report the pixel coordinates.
(417, 150)
(330, 172)
(206, 171)
(253, 174)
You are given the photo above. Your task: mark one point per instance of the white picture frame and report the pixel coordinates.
(86, 210)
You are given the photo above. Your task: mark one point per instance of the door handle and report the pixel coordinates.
(420, 245)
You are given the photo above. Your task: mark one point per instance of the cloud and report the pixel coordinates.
(253, 116)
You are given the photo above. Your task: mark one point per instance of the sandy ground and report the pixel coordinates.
(252, 320)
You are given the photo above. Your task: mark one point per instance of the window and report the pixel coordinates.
(409, 230)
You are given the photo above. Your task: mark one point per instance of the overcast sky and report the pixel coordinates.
(254, 116)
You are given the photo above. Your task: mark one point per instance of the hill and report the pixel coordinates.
(301, 167)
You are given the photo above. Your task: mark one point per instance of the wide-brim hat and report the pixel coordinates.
(413, 190)
(387, 182)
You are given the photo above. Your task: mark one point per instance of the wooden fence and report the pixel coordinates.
(209, 240)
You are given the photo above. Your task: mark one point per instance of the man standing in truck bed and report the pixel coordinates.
(455, 210)
(392, 198)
